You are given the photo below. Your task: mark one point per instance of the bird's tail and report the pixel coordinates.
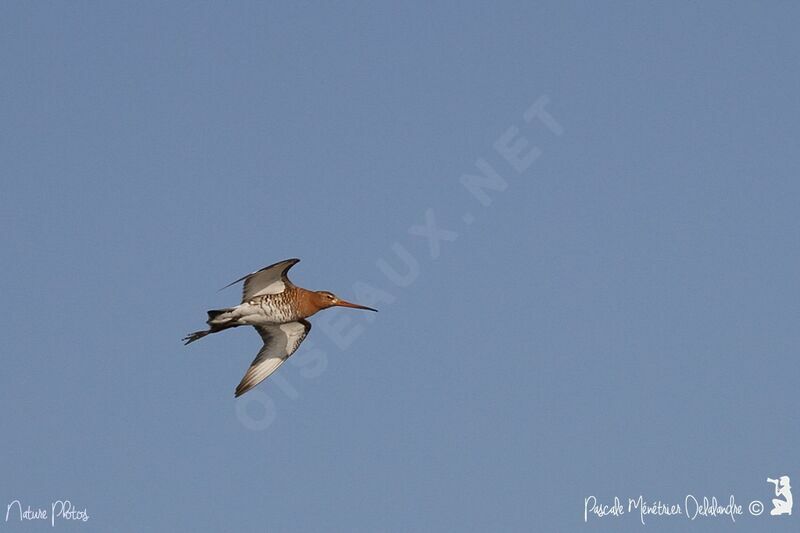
(218, 320)
(218, 317)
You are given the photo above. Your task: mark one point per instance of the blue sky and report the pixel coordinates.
(620, 319)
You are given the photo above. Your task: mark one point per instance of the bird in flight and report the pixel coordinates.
(278, 309)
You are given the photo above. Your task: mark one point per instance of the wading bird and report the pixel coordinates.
(278, 310)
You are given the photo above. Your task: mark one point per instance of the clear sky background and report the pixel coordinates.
(620, 320)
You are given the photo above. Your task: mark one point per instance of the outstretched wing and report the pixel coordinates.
(268, 280)
(280, 341)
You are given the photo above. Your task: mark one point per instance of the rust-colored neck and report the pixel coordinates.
(308, 302)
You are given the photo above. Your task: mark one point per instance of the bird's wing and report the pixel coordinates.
(280, 341)
(268, 280)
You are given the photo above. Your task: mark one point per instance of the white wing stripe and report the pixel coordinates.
(268, 280)
(280, 341)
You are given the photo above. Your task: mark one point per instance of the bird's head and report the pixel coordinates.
(325, 299)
